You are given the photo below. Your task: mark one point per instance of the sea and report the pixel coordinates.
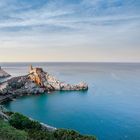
(110, 109)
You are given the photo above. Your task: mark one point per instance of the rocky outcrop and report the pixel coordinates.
(49, 82)
(19, 86)
(3, 74)
(37, 81)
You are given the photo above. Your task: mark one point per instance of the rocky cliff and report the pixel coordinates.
(49, 82)
(37, 81)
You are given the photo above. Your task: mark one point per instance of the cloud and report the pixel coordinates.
(64, 16)
(90, 24)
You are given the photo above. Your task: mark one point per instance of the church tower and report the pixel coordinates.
(30, 68)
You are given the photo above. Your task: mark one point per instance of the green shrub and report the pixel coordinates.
(9, 113)
(22, 122)
(41, 135)
(64, 134)
(60, 134)
(34, 131)
(7, 132)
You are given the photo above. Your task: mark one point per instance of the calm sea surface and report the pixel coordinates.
(110, 109)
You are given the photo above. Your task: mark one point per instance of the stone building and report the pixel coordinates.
(36, 75)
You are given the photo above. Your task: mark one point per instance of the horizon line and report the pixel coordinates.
(70, 62)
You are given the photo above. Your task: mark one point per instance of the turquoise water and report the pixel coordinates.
(110, 109)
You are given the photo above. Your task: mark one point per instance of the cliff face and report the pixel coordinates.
(3, 74)
(37, 81)
(44, 79)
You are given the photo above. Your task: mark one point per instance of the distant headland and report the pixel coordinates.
(3, 74)
(35, 82)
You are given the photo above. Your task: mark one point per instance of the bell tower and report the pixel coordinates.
(30, 68)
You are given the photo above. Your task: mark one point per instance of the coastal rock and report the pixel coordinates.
(80, 86)
(49, 82)
(3, 74)
(37, 81)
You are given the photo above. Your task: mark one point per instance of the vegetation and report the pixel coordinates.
(22, 122)
(60, 134)
(41, 135)
(8, 113)
(64, 134)
(8, 132)
(22, 128)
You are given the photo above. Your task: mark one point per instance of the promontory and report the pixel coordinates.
(36, 81)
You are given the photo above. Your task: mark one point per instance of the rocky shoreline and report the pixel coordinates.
(36, 82)
(4, 112)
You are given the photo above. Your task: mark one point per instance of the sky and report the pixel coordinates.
(70, 30)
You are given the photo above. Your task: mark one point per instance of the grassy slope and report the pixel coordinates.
(8, 132)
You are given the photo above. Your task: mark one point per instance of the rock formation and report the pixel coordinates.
(37, 81)
(3, 74)
(47, 81)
